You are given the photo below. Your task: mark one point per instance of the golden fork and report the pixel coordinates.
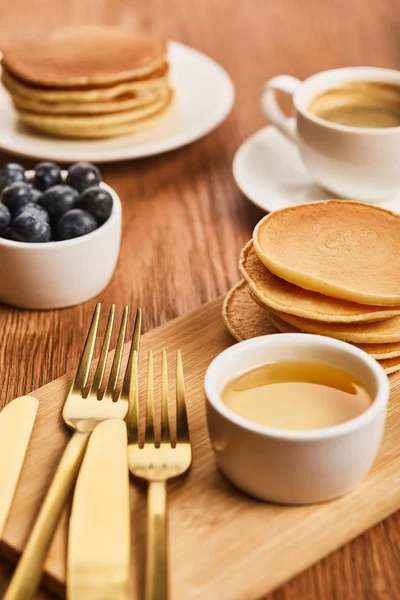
(82, 412)
(157, 464)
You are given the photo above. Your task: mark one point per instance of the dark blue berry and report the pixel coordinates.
(36, 195)
(26, 228)
(97, 202)
(13, 167)
(18, 194)
(10, 173)
(75, 223)
(59, 200)
(35, 210)
(47, 175)
(6, 233)
(54, 234)
(5, 218)
(82, 176)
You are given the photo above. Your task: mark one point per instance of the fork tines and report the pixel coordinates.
(129, 390)
(94, 389)
(150, 428)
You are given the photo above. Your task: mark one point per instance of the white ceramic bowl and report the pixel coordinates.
(295, 467)
(60, 274)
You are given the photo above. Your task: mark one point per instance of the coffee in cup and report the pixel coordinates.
(370, 104)
(346, 126)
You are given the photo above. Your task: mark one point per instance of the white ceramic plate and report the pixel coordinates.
(204, 97)
(269, 171)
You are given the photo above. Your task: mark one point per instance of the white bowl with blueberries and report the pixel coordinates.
(60, 234)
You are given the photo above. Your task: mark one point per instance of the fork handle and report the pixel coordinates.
(156, 587)
(28, 574)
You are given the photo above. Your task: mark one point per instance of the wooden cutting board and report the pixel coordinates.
(224, 545)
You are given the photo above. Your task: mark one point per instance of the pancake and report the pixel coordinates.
(66, 120)
(363, 333)
(338, 248)
(76, 108)
(283, 296)
(98, 126)
(391, 365)
(107, 131)
(282, 326)
(244, 319)
(88, 82)
(84, 55)
(378, 351)
(381, 351)
(156, 82)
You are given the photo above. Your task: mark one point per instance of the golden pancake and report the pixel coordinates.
(282, 326)
(79, 108)
(391, 365)
(378, 351)
(283, 296)
(124, 116)
(92, 127)
(342, 249)
(84, 55)
(157, 82)
(380, 332)
(244, 319)
(102, 130)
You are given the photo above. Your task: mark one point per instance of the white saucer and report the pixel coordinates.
(269, 171)
(204, 97)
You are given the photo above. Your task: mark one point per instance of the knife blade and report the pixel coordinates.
(16, 424)
(99, 530)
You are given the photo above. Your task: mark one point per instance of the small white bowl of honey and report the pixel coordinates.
(295, 418)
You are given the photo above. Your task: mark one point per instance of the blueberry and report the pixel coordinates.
(97, 202)
(18, 194)
(13, 167)
(6, 234)
(47, 175)
(75, 223)
(33, 209)
(54, 234)
(35, 195)
(10, 173)
(59, 200)
(26, 228)
(5, 218)
(82, 176)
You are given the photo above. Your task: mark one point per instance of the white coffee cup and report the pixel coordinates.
(287, 466)
(357, 163)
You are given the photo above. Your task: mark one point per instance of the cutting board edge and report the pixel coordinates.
(379, 517)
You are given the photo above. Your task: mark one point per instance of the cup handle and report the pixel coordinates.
(270, 107)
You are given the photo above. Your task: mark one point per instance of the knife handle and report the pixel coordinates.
(156, 587)
(28, 574)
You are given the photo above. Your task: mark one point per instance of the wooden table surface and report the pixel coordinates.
(184, 218)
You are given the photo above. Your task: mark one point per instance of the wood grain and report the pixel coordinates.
(184, 219)
(266, 542)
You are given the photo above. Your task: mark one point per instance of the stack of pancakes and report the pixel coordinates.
(88, 82)
(330, 268)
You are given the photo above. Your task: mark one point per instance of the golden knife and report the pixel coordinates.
(16, 424)
(99, 530)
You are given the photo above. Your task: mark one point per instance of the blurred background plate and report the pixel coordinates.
(204, 96)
